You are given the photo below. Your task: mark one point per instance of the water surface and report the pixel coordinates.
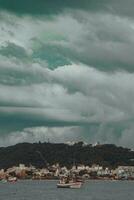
(46, 190)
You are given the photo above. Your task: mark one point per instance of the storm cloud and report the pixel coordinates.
(66, 71)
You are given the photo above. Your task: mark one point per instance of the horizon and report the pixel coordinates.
(67, 71)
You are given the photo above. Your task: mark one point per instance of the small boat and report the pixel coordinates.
(63, 185)
(74, 185)
(69, 183)
(12, 179)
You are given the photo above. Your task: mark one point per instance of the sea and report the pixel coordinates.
(47, 190)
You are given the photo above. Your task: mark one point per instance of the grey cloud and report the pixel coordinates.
(42, 133)
(43, 81)
(13, 50)
(101, 40)
(127, 137)
(108, 88)
(14, 71)
(106, 42)
(104, 133)
(97, 97)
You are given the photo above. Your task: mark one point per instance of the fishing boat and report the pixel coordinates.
(63, 185)
(74, 185)
(67, 183)
(12, 179)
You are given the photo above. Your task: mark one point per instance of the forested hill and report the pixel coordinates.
(41, 154)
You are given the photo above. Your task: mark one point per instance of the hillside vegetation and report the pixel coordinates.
(43, 154)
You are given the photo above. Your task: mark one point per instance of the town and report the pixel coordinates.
(54, 172)
(51, 161)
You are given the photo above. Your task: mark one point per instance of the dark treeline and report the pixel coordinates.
(43, 154)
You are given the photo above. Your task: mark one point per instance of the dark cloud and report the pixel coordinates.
(48, 6)
(120, 7)
(13, 50)
(44, 6)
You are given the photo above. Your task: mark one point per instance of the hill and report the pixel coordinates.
(41, 154)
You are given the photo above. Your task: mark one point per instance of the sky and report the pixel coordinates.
(67, 71)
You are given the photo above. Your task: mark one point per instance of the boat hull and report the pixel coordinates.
(76, 185)
(12, 179)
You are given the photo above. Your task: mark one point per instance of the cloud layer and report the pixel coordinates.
(67, 74)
